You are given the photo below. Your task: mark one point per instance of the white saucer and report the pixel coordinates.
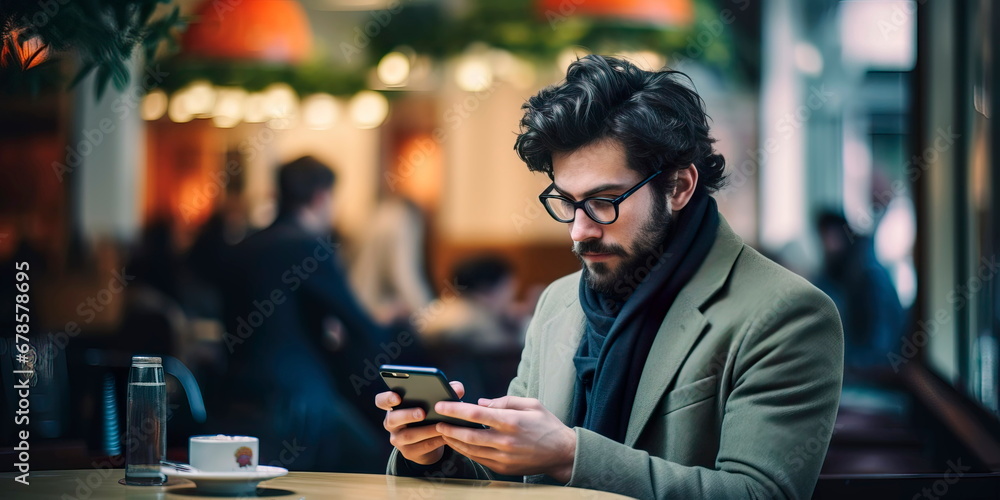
(228, 483)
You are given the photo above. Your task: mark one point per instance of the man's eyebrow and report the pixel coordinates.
(598, 189)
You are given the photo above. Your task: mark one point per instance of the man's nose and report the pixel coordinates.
(583, 227)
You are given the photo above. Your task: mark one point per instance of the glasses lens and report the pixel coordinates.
(601, 211)
(561, 209)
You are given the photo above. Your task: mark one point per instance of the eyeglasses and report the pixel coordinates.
(601, 210)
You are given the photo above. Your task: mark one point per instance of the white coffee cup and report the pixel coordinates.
(221, 453)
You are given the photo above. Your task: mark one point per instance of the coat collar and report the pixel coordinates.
(678, 333)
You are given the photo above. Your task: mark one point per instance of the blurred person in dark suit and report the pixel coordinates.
(224, 229)
(865, 295)
(284, 285)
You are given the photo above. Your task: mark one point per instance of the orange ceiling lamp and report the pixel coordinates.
(255, 30)
(658, 12)
(23, 53)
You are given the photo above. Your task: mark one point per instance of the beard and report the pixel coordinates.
(634, 263)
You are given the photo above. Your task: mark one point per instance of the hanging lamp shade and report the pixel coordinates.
(657, 12)
(254, 30)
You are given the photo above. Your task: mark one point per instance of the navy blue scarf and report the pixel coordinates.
(620, 330)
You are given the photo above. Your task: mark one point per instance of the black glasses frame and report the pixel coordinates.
(583, 204)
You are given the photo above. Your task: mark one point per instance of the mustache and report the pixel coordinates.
(595, 246)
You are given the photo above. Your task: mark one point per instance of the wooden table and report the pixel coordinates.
(96, 484)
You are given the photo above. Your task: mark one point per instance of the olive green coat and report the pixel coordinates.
(738, 394)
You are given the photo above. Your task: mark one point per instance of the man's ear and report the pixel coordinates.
(686, 182)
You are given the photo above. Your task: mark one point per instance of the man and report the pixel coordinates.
(678, 362)
(284, 286)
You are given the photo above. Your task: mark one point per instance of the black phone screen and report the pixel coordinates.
(422, 387)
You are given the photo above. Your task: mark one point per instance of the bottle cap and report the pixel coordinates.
(146, 360)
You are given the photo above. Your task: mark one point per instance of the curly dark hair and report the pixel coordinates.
(661, 122)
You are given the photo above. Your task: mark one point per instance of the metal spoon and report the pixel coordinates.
(178, 466)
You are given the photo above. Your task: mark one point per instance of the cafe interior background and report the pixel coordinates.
(857, 135)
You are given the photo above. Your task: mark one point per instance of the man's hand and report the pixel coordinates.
(523, 438)
(423, 445)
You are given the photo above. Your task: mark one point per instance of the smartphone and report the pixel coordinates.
(422, 387)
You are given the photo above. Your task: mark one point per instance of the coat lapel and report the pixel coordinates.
(681, 328)
(679, 332)
(562, 336)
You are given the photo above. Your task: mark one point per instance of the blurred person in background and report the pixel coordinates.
(866, 298)
(156, 263)
(389, 271)
(679, 362)
(284, 284)
(471, 333)
(227, 226)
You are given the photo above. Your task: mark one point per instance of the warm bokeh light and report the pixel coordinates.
(229, 106)
(368, 109)
(473, 74)
(199, 98)
(515, 70)
(280, 101)
(177, 110)
(254, 108)
(154, 105)
(394, 69)
(320, 111)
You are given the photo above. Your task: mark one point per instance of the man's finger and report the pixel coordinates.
(478, 437)
(458, 387)
(426, 446)
(511, 403)
(405, 416)
(474, 452)
(490, 417)
(413, 435)
(386, 400)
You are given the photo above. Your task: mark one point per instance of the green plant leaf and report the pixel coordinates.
(84, 71)
(101, 81)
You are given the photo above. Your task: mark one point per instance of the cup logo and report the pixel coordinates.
(244, 456)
